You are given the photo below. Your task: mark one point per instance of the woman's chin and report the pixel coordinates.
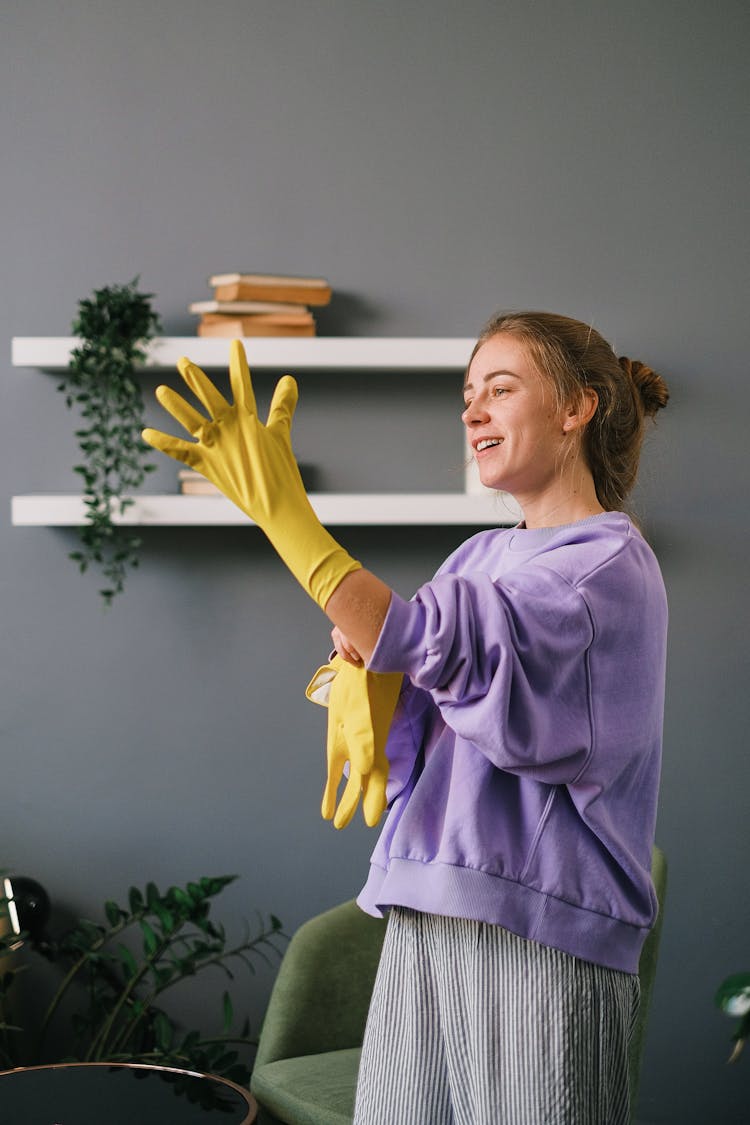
(492, 481)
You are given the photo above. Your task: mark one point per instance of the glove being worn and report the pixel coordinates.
(360, 709)
(254, 466)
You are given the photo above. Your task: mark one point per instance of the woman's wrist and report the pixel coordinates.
(357, 608)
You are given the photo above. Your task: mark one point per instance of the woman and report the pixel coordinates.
(523, 757)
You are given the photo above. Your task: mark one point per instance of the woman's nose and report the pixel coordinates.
(474, 413)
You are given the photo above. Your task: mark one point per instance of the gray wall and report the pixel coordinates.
(436, 161)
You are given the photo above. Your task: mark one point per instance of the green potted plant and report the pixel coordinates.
(116, 973)
(113, 327)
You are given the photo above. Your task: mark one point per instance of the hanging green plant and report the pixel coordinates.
(113, 326)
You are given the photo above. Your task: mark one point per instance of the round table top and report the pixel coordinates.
(120, 1094)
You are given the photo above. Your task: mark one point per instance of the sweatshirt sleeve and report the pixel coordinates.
(506, 662)
(409, 729)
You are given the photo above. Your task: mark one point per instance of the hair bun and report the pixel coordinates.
(650, 386)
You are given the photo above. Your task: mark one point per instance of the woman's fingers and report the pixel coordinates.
(185, 451)
(202, 387)
(180, 409)
(243, 394)
(345, 648)
(283, 403)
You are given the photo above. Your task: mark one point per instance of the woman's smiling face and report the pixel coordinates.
(515, 427)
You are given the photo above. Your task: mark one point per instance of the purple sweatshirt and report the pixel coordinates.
(525, 748)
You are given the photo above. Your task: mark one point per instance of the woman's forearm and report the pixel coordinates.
(358, 607)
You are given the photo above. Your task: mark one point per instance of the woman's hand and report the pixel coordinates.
(360, 709)
(254, 465)
(345, 648)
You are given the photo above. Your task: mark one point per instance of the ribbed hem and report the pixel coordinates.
(461, 892)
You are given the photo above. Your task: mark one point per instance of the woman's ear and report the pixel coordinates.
(579, 413)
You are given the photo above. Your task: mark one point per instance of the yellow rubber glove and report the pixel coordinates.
(254, 466)
(360, 710)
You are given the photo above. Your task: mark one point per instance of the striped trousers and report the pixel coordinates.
(472, 1025)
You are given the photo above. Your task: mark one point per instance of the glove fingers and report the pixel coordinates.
(349, 801)
(185, 451)
(202, 388)
(374, 799)
(181, 411)
(283, 403)
(360, 740)
(328, 804)
(239, 378)
(336, 758)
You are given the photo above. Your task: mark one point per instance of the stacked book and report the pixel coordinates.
(195, 484)
(252, 304)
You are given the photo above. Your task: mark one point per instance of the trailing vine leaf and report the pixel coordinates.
(114, 325)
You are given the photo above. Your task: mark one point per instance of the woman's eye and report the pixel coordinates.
(498, 391)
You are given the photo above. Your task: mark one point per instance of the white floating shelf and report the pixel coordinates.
(52, 353)
(324, 353)
(360, 509)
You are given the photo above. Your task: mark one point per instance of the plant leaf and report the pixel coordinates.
(150, 940)
(135, 898)
(129, 965)
(163, 1031)
(113, 912)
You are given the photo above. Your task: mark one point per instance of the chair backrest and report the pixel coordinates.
(647, 972)
(322, 992)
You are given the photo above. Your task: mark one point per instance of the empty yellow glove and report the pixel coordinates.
(360, 709)
(254, 466)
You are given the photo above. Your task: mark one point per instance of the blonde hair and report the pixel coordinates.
(573, 357)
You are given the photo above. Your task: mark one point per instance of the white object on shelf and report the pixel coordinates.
(352, 509)
(52, 353)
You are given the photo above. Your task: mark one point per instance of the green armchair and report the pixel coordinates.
(306, 1067)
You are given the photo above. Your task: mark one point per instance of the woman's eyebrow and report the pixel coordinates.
(493, 375)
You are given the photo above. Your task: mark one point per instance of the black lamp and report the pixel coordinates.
(27, 904)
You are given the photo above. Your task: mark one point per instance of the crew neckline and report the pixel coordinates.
(522, 538)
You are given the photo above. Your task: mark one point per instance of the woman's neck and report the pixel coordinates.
(570, 499)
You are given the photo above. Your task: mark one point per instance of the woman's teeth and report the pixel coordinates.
(487, 442)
